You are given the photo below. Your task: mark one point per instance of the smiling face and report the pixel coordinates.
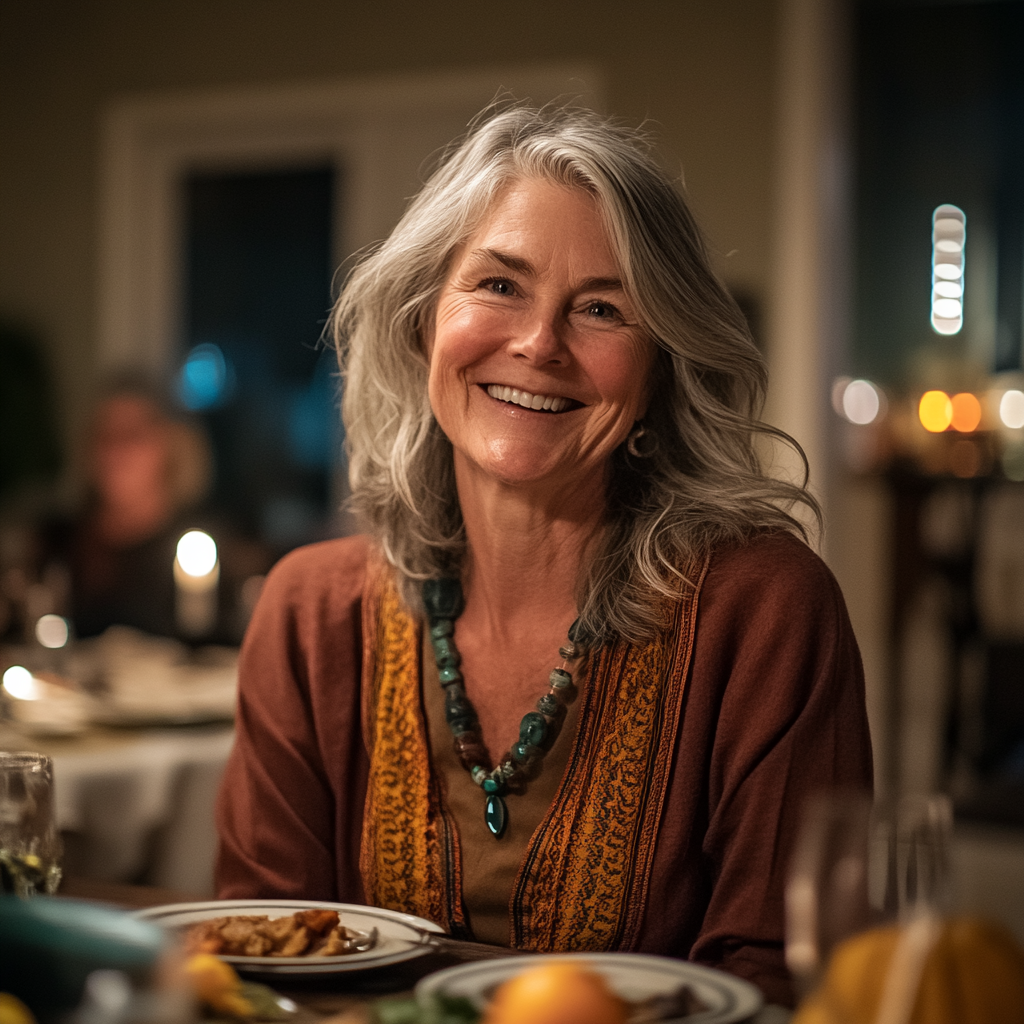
(538, 367)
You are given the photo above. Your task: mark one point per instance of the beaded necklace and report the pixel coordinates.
(442, 599)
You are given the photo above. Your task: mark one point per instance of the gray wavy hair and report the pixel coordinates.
(701, 482)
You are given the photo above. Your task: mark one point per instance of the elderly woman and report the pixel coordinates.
(571, 689)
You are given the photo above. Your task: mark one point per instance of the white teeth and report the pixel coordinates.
(525, 399)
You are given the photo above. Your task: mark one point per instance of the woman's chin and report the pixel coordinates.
(526, 467)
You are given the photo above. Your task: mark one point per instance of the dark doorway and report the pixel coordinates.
(258, 281)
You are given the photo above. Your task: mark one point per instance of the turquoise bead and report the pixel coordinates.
(495, 815)
(444, 627)
(449, 674)
(560, 679)
(491, 785)
(458, 712)
(445, 653)
(533, 729)
(442, 598)
(523, 752)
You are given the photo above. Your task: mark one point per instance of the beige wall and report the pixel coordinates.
(701, 69)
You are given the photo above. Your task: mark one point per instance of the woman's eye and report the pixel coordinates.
(499, 286)
(602, 310)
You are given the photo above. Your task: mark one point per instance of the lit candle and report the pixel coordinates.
(196, 574)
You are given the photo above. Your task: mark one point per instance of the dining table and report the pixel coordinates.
(139, 729)
(343, 998)
(136, 803)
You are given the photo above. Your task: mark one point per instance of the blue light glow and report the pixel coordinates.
(205, 378)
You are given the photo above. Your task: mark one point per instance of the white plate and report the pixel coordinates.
(633, 976)
(399, 936)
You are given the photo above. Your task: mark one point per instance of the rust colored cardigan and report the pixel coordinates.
(761, 702)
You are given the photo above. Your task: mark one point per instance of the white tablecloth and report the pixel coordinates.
(137, 804)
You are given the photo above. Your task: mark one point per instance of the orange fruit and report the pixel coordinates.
(560, 992)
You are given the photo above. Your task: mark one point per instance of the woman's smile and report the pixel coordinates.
(523, 398)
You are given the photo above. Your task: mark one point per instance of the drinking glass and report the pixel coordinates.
(858, 865)
(30, 847)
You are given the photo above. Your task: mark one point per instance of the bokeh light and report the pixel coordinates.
(1011, 409)
(935, 411)
(861, 402)
(949, 233)
(966, 412)
(205, 378)
(20, 684)
(197, 553)
(52, 631)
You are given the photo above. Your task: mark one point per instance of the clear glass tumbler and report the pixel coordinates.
(859, 864)
(30, 846)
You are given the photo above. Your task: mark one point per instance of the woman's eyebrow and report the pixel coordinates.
(506, 259)
(601, 284)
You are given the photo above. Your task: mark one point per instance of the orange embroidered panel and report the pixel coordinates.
(583, 884)
(401, 855)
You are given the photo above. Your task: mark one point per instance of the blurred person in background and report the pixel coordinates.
(148, 471)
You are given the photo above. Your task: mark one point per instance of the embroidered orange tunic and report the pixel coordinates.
(677, 790)
(583, 880)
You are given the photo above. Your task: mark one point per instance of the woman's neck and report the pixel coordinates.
(525, 546)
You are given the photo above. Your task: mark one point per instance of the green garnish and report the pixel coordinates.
(435, 1010)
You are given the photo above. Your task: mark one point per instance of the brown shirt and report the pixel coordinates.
(773, 711)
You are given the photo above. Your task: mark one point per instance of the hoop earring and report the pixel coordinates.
(639, 432)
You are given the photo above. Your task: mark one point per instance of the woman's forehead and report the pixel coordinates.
(530, 215)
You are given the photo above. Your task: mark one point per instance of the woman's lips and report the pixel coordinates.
(539, 403)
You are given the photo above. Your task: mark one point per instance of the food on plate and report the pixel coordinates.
(556, 993)
(435, 1009)
(670, 1006)
(223, 994)
(304, 933)
(973, 972)
(217, 985)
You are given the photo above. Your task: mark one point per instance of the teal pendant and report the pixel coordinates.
(496, 815)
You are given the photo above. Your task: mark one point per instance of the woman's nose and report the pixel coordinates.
(542, 340)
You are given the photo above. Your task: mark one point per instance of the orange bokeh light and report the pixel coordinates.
(966, 412)
(935, 411)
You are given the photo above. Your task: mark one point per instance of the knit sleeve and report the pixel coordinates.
(289, 812)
